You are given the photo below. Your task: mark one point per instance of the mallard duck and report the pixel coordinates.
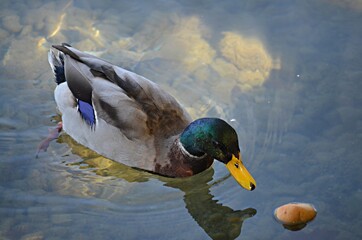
(129, 119)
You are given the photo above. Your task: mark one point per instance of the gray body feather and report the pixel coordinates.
(136, 121)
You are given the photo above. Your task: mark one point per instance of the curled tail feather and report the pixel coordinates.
(56, 62)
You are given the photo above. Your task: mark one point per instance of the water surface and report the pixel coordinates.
(287, 75)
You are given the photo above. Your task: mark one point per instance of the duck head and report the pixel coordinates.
(218, 139)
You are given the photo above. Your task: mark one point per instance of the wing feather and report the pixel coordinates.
(126, 100)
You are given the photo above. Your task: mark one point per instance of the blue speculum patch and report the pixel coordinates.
(87, 112)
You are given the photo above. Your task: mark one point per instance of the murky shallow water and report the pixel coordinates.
(290, 77)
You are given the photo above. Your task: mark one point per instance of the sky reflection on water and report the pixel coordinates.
(288, 73)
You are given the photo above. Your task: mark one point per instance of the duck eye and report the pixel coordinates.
(236, 165)
(220, 146)
(216, 143)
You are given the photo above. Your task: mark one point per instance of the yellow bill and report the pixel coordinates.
(241, 174)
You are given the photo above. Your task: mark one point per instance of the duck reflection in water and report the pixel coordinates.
(218, 221)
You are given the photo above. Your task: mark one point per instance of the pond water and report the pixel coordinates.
(286, 74)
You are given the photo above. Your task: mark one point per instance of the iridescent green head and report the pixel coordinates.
(218, 139)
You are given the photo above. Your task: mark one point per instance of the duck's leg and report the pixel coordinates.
(53, 134)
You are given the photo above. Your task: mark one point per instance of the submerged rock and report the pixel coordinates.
(24, 59)
(181, 40)
(12, 23)
(245, 60)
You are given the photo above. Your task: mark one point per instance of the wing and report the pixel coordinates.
(126, 100)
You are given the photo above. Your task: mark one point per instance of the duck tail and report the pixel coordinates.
(56, 62)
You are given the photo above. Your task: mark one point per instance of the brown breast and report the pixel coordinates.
(181, 164)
